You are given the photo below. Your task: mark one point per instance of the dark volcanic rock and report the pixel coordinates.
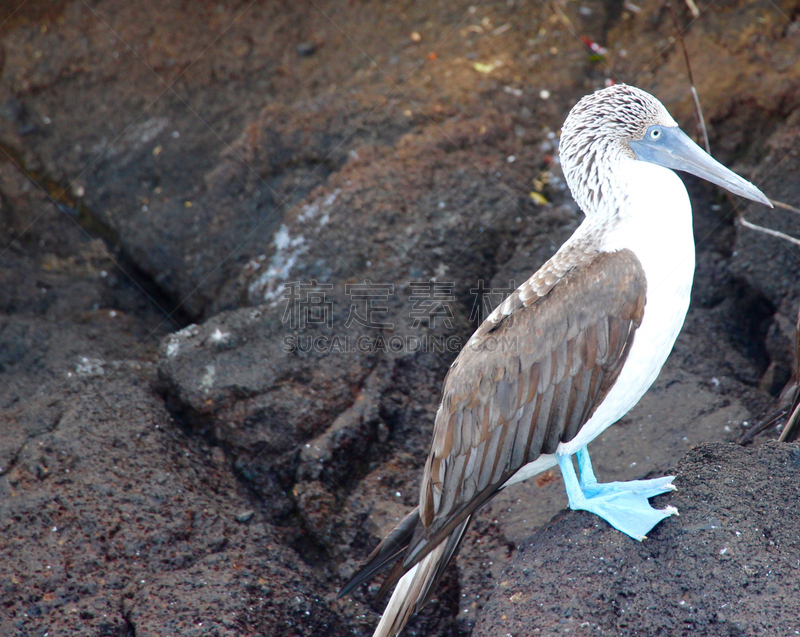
(268, 394)
(769, 263)
(69, 310)
(110, 526)
(190, 146)
(726, 566)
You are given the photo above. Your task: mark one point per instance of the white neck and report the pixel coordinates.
(654, 220)
(644, 208)
(655, 223)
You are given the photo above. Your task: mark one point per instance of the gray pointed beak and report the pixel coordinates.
(672, 148)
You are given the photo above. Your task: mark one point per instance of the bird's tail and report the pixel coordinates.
(408, 594)
(418, 585)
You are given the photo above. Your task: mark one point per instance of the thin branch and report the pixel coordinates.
(797, 347)
(698, 111)
(773, 233)
(561, 15)
(791, 431)
(789, 426)
(785, 206)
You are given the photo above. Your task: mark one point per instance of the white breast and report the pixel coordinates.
(657, 227)
(659, 232)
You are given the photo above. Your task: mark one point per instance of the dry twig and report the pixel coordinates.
(701, 122)
(791, 430)
(769, 231)
(693, 8)
(785, 206)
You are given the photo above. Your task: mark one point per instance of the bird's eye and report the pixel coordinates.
(655, 133)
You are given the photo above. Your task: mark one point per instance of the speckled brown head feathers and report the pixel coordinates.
(595, 138)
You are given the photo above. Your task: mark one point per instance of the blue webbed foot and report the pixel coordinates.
(623, 505)
(642, 488)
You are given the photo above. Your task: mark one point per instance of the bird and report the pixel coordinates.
(570, 351)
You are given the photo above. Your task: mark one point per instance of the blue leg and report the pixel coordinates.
(623, 505)
(585, 468)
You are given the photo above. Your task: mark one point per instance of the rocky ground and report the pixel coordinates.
(731, 560)
(170, 464)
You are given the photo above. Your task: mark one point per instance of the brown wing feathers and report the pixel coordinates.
(529, 379)
(566, 350)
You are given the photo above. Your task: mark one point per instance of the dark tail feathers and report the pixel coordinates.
(386, 553)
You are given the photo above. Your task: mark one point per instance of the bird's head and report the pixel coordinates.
(622, 123)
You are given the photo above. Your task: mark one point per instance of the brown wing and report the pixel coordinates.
(529, 379)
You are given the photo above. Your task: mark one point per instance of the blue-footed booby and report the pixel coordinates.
(593, 327)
